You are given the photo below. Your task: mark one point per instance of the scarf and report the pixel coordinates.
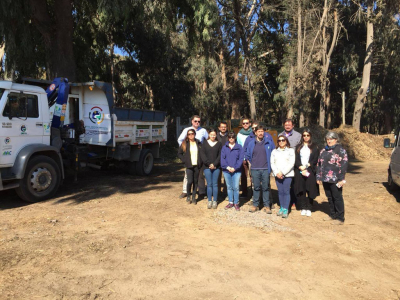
(327, 148)
(245, 132)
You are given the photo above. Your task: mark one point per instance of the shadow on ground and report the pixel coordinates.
(96, 184)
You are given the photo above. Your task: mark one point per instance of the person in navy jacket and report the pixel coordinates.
(232, 156)
(258, 154)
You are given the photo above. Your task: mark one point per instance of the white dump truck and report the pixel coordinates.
(70, 125)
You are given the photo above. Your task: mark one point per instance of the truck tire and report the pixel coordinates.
(391, 185)
(145, 163)
(41, 180)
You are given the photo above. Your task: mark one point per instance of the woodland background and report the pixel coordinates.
(222, 59)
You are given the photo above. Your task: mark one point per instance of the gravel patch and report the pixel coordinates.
(244, 218)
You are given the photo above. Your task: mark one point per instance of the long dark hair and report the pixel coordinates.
(286, 139)
(186, 141)
(310, 143)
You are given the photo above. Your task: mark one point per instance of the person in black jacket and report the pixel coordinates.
(189, 154)
(305, 183)
(211, 157)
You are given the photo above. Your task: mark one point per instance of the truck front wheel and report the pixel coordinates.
(41, 180)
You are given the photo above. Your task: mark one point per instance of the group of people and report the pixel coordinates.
(297, 164)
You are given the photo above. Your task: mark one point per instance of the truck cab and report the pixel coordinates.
(24, 119)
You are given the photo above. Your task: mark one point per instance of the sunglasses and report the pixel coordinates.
(281, 141)
(245, 123)
(196, 121)
(306, 135)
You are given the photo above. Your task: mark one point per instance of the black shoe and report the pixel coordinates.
(188, 200)
(194, 201)
(183, 195)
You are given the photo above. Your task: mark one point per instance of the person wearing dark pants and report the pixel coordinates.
(335, 200)
(331, 171)
(222, 137)
(258, 154)
(305, 186)
(201, 135)
(189, 154)
(211, 157)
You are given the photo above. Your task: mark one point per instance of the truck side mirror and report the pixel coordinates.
(386, 143)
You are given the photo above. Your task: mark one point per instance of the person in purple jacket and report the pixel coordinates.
(231, 162)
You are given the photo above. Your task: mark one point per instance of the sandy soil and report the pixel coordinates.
(113, 236)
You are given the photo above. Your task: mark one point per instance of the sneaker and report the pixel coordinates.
(214, 204)
(209, 204)
(253, 209)
(183, 195)
(285, 213)
(303, 212)
(267, 210)
(230, 205)
(237, 208)
(308, 213)
(280, 212)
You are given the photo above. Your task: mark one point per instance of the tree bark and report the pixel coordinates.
(57, 35)
(362, 92)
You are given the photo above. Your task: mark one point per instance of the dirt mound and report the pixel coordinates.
(359, 145)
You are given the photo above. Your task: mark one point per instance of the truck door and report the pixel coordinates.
(395, 161)
(21, 124)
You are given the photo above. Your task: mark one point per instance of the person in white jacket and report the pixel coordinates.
(282, 165)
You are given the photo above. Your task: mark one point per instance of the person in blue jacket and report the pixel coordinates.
(258, 154)
(232, 156)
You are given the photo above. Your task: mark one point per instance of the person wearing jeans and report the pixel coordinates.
(258, 154)
(231, 163)
(282, 164)
(211, 157)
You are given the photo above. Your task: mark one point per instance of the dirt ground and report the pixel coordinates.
(114, 236)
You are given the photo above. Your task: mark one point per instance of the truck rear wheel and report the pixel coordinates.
(41, 180)
(145, 163)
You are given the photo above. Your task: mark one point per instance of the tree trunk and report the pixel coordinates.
(57, 36)
(362, 92)
(289, 94)
(328, 108)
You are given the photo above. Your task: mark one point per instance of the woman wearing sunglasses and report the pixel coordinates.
(189, 154)
(232, 163)
(305, 183)
(282, 164)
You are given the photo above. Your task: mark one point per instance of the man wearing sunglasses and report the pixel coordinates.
(201, 135)
(241, 139)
